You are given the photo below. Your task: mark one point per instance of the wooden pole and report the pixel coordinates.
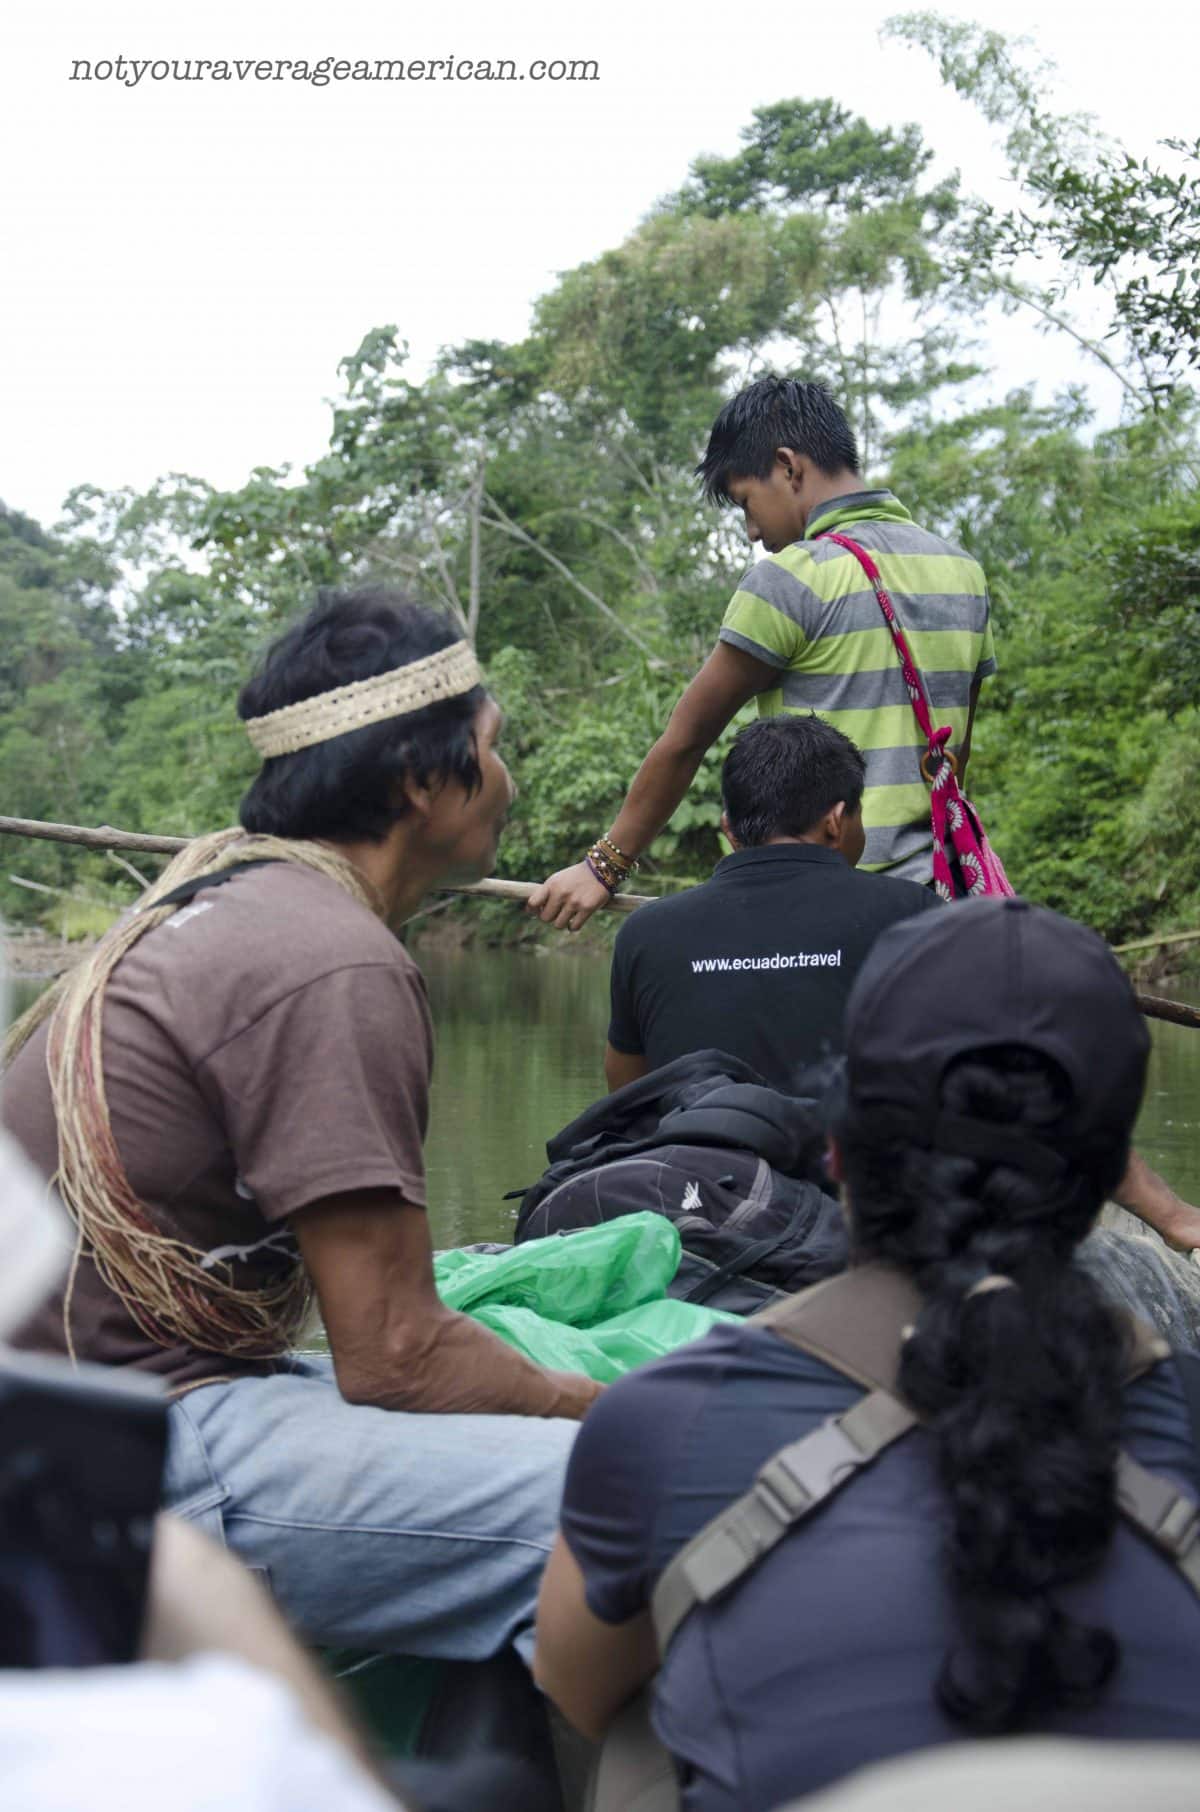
(1159, 943)
(1157, 1006)
(1154, 1006)
(105, 837)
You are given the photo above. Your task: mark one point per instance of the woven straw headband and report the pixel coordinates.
(447, 674)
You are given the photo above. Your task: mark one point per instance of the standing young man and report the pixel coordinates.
(804, 632)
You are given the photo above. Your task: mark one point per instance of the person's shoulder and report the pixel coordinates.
(788, 579)
(318, 900)
(924, 540)
(889, 537)
(894, 898)
(238, 950)
(665, 1389)
(738, 1366)
(799, 560)
(309, 918)
(657, 917)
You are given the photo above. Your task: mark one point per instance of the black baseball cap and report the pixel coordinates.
(990, 972)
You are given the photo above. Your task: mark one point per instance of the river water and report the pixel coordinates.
(520, 1042)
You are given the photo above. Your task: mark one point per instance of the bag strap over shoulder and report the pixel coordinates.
(855, 1323)
(794, 1482)
(1188, 1367)
(953, 819)
(918, 692)
(1168, 1518)
(187, 890)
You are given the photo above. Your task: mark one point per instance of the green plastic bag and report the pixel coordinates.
(593, 1301)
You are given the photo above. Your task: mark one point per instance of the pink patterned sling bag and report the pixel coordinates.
(959, 842)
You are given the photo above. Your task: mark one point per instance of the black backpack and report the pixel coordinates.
(734, 1164)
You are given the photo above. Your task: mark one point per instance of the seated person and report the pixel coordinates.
(760, 960)
(232, 1090)
(980, 1576)
(139, 1737)
(213, 1648)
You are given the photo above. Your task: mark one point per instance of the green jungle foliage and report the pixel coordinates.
(543, 493)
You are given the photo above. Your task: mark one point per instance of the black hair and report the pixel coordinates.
(784, 773)
(351, 787)
(775, 412)
(1021, 1388)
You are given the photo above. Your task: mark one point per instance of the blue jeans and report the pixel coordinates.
(375, 1529)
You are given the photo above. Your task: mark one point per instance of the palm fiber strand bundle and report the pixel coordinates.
(161, 1280)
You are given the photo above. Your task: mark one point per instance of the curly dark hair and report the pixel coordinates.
(1020, 1388)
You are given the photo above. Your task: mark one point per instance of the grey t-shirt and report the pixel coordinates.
(267, 1047)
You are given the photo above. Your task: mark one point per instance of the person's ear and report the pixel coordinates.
(419, 797)
(727, 833)
(793, 466)
(833, 825)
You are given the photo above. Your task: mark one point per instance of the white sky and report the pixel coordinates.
(188, 262)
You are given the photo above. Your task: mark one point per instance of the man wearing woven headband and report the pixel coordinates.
(233, 1091)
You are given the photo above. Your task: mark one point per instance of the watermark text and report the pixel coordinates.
(130, 72)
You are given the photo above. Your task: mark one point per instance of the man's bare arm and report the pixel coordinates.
(394, 1343)
(1144, 1193)
(621, 1067)
(728, 679)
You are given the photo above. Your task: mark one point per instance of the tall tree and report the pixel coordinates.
(793, 251)
(1090, 213)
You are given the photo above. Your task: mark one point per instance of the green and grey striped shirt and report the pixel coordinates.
(810, 611)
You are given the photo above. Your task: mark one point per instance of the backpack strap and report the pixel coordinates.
(853, 1321)
(794, 1482)
(187, 890)
(1188, 1367)
(856, 1323)
(743, 1261)
(1168, 1518)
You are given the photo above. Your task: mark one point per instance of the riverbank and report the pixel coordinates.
(35, 955)
(457, 924)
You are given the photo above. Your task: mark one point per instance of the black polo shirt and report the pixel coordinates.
(759, 961)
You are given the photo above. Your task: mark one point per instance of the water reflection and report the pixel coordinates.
(1169, 1127)
(520, 1042)
(520, 1047)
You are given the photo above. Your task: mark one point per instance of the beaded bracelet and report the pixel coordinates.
(618, 856)
(605, 871)
(610, 865)
(608, 886)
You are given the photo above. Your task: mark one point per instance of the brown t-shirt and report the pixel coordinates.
(267, 1046)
